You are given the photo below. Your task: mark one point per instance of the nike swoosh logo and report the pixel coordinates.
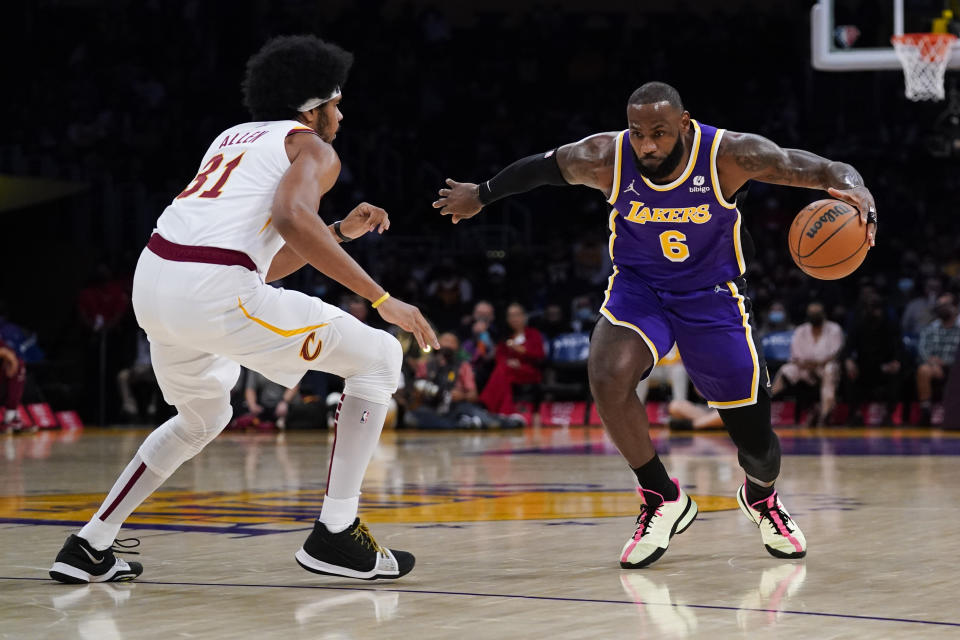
(90, 555)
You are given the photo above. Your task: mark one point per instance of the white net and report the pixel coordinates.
(924, 58)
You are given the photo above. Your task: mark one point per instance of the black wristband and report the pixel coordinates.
(483, 193)
(336, 230)
(523, 175)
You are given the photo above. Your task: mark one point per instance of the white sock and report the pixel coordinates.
(336, 514)
(358, 425)
(134, 485)
(10, 415)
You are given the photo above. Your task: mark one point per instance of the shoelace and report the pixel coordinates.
(118, 546)
(644, 519)
(765, 512)
(362, 535)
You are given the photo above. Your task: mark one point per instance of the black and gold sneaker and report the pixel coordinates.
(352, 553)
(79, 563)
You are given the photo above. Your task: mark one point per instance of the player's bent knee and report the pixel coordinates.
(393, 355)
(613, 378)
(607, 388)
(379, 382)
(185, 435)
(617, 365)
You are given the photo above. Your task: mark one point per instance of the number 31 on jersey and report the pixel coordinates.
(211, 167)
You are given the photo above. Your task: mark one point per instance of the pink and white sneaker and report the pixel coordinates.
(781, 535)
(656, 524)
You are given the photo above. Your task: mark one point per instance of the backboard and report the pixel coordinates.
(854, 35)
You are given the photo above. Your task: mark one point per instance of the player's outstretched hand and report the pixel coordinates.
(408, 317)
(862, 199)
(364, 218)
(460, 200)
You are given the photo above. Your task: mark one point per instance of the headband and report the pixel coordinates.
(313, 103)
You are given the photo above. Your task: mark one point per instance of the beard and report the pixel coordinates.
(667, 166)
(324, 126)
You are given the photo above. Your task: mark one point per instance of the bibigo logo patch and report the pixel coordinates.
(698, 185)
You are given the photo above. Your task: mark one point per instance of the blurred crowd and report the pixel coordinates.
(127, 110)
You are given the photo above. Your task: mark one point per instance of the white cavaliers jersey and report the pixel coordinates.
(227, 204)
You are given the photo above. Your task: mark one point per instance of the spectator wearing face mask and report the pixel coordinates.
(919, 311)
(904, 292)
(814, 349)
(777, 319)
(937, 351)
(776, 336)
(584, 313)
(873, 358)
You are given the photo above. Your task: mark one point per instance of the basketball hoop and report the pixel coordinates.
(924, 58)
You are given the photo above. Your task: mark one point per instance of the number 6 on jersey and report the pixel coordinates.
(671, 242)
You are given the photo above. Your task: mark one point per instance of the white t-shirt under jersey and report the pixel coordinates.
(227, 204)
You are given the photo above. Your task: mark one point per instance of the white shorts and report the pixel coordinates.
(205, 321)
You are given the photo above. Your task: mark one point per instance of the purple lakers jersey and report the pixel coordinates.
(679, 236)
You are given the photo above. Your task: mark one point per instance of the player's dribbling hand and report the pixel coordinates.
(408, 317)
(364, 218)
(862, 199)
(460, 200)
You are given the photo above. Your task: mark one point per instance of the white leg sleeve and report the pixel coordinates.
(368, 359)
(183, 436)
(166, 448)
(358, 427)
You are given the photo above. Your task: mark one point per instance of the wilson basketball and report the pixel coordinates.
(828, 240)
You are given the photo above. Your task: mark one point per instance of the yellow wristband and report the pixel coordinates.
(379, 301)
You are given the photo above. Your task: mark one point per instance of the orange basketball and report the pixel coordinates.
(828, 240)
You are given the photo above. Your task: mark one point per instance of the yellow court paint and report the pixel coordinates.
(299, 506)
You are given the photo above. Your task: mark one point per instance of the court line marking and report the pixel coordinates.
(524, 597)
(232, 529)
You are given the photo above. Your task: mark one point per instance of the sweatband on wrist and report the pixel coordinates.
(379, 301)
(336, 230)
(523, 175)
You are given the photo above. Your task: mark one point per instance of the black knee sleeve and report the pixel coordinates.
(758, 448)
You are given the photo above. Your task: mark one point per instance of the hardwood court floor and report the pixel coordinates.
(516, 536)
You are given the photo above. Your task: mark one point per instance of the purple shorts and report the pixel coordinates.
(710, 326)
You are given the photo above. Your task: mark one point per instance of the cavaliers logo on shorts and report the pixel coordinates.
(307, 351)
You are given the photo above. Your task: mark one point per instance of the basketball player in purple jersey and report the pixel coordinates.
(678, 258)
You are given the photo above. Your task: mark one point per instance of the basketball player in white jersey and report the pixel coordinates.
(200, 293)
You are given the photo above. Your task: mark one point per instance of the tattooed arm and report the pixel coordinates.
(588, 162)
(746, 156)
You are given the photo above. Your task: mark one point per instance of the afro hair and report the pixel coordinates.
(288, 71)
